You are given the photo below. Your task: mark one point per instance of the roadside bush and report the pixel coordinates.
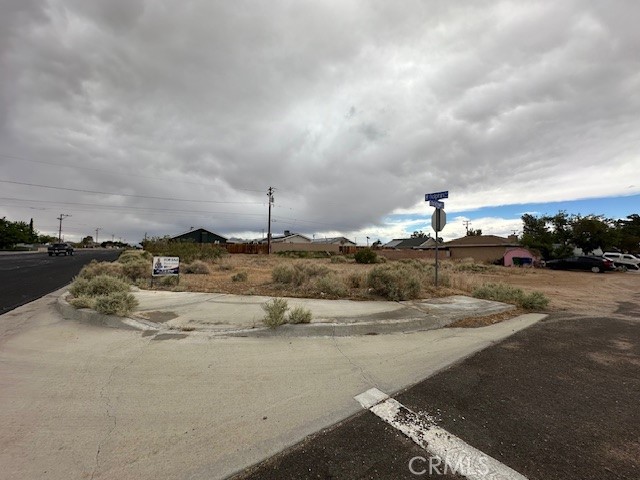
(297, 275)
(366, 255)
(135, 269)
(97, 286)
(197, 267)
(82, 302)
(534, 301)
(500, 292)
(356, 280)
(299, 314)
(394, 282)
(282, 273)
(95, 268)
(240, 277)
(331, 285)
(187, 251)
(118, 303)
(338, 259)
(134, 256)
(275, 311)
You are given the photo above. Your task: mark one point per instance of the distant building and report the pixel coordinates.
(415, 243)
(334, 241)
(482, 248)
(200, 235)
(288, 237)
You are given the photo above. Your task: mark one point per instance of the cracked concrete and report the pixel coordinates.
(82, 401)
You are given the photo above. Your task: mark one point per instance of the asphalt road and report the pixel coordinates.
(556, 401)
(25, 277)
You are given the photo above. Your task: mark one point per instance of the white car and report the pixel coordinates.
(623, 261)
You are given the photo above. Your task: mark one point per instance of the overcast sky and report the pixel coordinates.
(351, 110)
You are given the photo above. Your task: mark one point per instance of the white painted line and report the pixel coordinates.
(459, 456)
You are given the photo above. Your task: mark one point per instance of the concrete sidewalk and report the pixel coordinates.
(78, 401)
(241, 315)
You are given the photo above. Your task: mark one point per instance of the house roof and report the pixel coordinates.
(481, 241)
(333, 240)
(282, 238)
(410, 242)
(196, 230)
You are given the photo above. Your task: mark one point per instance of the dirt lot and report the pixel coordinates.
(578, 292)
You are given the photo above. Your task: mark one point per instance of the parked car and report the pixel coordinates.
(623, 261)
(58, 248)
(595, 264)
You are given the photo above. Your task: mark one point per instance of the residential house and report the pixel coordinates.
(414, 243)
(482, 248)
(199, 235)
(342, 241)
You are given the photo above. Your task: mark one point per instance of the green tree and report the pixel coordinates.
(628, 231)
(14, 232)
(592, 232)
(419, 234)
(474, 233)
(537, 235)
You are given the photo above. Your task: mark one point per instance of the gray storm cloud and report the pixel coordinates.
(352, 110)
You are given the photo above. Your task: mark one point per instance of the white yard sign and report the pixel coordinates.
(164, 266)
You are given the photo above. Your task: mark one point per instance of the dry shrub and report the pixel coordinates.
(197, 267)
(82, 302)
(275, 310)
(118, 303)
(299, 314)
(240, 277)
(395, 282)
(331, 285)
(97, 286)
(95, 268)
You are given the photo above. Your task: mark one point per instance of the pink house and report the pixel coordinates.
(518, 256)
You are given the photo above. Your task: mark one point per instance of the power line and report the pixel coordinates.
(111, 172)
(127, 194)
(116, 208)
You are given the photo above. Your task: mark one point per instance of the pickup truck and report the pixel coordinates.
(58, 248)
(623, 261)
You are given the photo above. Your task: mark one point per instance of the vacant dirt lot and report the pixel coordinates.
(579, 292)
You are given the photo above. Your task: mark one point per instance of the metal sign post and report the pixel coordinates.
(438, 219)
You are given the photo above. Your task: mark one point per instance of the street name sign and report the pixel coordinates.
(436, 203)
(436, 196)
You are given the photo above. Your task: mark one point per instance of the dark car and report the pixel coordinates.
(595, 264)
(58, 248)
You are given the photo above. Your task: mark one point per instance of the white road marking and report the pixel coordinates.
(458, 456)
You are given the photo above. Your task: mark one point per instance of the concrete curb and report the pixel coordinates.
(91, 317)
(377, 326)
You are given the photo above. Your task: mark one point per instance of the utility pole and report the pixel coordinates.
(466, 223)
(62, 215)
(97, 230)
(270, 195)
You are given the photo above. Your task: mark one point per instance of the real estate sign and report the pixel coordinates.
(165, 266)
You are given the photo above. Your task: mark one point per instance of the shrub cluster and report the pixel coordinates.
(394, 282)
(366, 255)
(135, 264)
(197, 267)
(240, 277)
(508, 294)
(297, 275)
(276, 313)
(104, 293)
(187, 251)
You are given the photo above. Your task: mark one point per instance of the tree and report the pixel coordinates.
(419, 234)
(474, 233)
(628, 231)
(592, 232)
(12, 233)
(87, 240)
(536, 235)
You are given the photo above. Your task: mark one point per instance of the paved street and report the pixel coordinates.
(80, 401)
(556, 401)
(27, 276)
